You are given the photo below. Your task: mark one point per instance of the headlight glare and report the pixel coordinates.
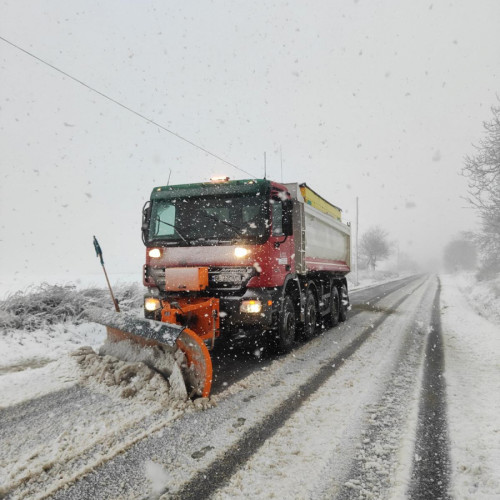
(251, 306)
(241, 252)
(152, 304)
(154, 253)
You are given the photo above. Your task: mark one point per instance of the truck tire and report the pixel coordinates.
(286, 327)
(344, 303)
(334, 307)
(311, 316)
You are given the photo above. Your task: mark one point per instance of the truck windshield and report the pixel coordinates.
(210, 220)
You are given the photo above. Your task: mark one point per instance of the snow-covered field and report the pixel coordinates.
(36, 363)
(41, 326)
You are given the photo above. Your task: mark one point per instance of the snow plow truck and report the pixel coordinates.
(236, 258)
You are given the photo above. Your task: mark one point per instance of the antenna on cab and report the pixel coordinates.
(281, 161)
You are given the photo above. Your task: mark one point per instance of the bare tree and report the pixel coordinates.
(483, 173)
(460, 253)
(374, 246)
(483, 169)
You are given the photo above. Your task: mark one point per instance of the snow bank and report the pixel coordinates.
(46, 305)
(484, 296)
(22, 349)
(472, 372)
(45, 322)
(19, 386)
(368, 278)
(40, 327)
(132, 374)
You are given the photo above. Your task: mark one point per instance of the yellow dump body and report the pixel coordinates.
(315, 200)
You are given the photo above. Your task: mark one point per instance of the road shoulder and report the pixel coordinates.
(472, 374)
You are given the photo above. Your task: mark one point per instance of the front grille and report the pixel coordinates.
(229, 278)
(219, 278)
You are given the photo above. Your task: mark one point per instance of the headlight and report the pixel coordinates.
(152, 304)
(251, 306)
(154, 253)
(241, 252)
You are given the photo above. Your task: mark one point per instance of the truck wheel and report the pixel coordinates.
(334, 306)
(344, 303)
(311, 316)
(286, 326)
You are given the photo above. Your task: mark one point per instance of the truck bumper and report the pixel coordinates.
(235, 323)
(234, 319)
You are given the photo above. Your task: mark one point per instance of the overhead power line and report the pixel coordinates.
(175, 134)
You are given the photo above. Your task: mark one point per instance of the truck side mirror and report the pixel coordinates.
(146, 217)
(287, 217)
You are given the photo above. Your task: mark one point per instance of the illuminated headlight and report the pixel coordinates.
(154, 253)
(152, 304)
(251, 306)
(241, 252)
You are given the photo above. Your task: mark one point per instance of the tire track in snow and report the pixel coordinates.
(373, 472)
(43, 443)
(431, 464)
(221, 471)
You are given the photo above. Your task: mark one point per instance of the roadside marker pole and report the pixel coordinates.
(98, 253)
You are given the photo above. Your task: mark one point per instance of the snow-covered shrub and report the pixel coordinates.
(483, 295)
(489, 269)
(47, 304)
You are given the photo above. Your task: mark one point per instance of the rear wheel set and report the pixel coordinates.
(339, 305)
(285, 334)
(310, 316)
(333, 317)
(344, 303)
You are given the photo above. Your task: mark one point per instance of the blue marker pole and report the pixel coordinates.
(98, 253)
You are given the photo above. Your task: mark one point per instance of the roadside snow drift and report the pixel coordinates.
(472, 346)
(135, 371)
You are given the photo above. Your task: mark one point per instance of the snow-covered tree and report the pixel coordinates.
(483, 173)
(460, 254)
(374, 246)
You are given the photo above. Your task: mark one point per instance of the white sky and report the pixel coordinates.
(376, 99)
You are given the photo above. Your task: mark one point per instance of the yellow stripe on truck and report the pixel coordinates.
(319, 203)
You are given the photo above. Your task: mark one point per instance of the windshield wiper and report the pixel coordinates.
(234, 228)
(176, 229)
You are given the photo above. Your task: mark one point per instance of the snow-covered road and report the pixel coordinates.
(340, 417)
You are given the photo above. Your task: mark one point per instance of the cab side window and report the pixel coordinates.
(277, 217)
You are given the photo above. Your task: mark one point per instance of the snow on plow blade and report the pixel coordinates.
(185, 360)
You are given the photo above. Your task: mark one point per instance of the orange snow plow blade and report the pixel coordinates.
(195, 364)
